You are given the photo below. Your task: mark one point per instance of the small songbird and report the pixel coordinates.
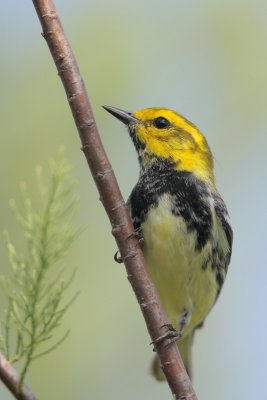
(184, 223)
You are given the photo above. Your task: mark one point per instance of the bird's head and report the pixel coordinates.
(159, 133)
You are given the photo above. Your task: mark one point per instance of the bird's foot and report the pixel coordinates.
(118, 258)
(138, 234)
(172, 335)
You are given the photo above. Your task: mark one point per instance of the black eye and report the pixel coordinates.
(161, 123)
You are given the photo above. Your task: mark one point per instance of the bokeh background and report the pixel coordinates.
(205, 59)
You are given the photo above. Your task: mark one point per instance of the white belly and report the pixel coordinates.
(175, 265)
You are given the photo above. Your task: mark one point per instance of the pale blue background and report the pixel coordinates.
(205, 59)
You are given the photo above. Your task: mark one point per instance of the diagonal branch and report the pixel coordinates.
(111, 197)
(11, 379)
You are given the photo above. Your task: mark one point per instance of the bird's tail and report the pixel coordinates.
(185, 349)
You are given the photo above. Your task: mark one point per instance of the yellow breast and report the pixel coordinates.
(175, 265)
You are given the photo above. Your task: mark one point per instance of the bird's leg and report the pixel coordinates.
(200, 326)
(184, 321)
(172, 334)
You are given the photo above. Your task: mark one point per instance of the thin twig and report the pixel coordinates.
(111, 197)
(11, 379)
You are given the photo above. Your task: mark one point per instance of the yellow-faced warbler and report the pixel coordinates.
(184, 223)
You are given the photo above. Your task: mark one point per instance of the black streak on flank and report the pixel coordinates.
(191, 200)
(221, 211)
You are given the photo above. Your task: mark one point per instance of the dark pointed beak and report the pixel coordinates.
(124, 116)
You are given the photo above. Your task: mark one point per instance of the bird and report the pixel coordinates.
(182, 219)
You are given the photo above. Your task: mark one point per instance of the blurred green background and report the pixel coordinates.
(208, 61)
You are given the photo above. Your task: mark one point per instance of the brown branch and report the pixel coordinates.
(111, 197)
(11, 379)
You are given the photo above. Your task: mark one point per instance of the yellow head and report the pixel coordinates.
(164, 134)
